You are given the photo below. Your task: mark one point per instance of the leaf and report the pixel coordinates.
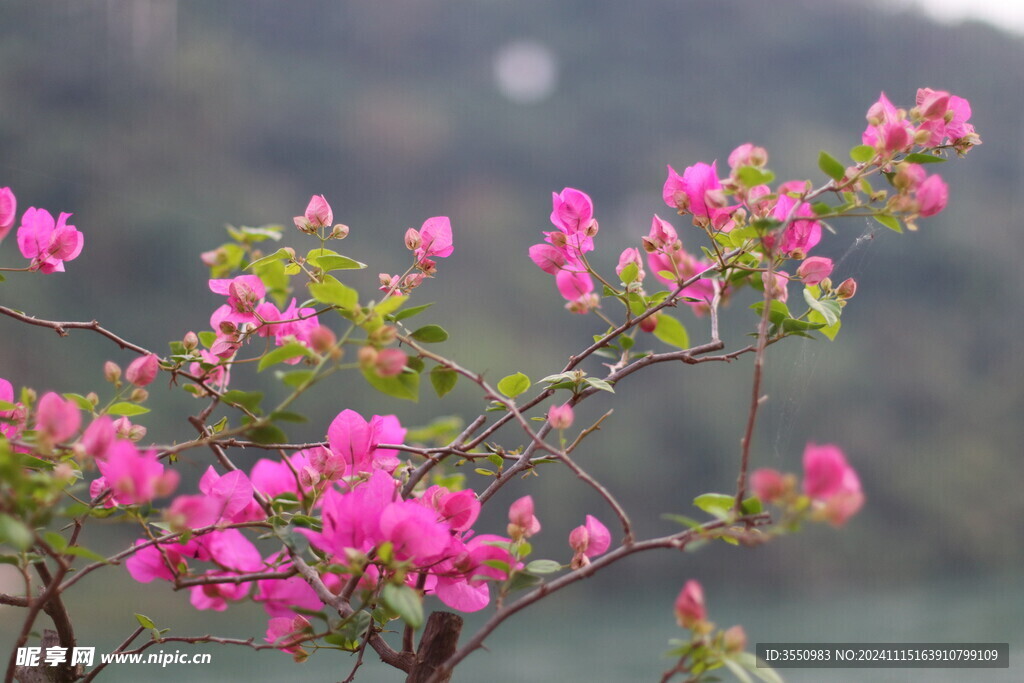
(443, 379)
(430, 334)
(830, 331)
(543, 567)
(81, 401)
(777, 312)
(682, 519)
(717, 504)
(672, 332)
(737, 670)
(629, 273)
(862, 153)
(250, 400)
(829, 310)
(294, 378)
(279, 255)
(888, 221)
(751, 176)
(283, 353)
(208, 338)
(126, 409)
(55, 540)
(14, 533)
(6, 405)
(514, 385)
(332, 292)
(391, 304)
(144, 621)
(751, 506)
(405, 602)
(329, 263)
(918, 158)
(267, 434)
(599, 384)
(821, 208)
(792, 324)
(410, 312)
(405, 385)
(831, 166)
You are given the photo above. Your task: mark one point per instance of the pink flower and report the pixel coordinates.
(286, 633)
(572, 212)
(435, 239)
(829, 480)
(56, 417)
(244, 294)
(390, 362)
(814, 269)
(99, 436)
(697, 191)
(573, 286)
(748, 154)
(215, 596)
(48, 244)
(133, 477)
(560, 417)
(8, 210)
(932, 196)
(142, 371)
(800, 236)
(589, 540)
(414, 531)
(932, 104)
(355, 441)
(281, 596)
(11, 421)
(457, 509)
(148, 563)
(690, 610)
(318, 215)
(548, 258)
(522, 522)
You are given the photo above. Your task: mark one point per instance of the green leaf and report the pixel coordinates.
(830, 331)
(81, 401)
(918, 158)
(751, 176)
(391, 304)
(332, 292)
(862, 153)
(294, 378)
(717, 504)
(513, 385)
(144, 621)
(6, 405)
(443, 379)
(405, 602)
(250, 400)
(599, 384)
(821, 208)
(279, 255)
(523, 580)
(543, 567)
(778, 311)
(829, 310)
(405, 385)
(682, 519)
(672, 332)
(248, 234)
(80, 551)
(329, 263)
(889, 221)
(55, 540)
(14, 533)
(751, 506)
(831, 166)
(792, 325)
(283, 353)
(629, 273)
(267, 434)
(430, 334)
(208, 338)
(287, 416)
(127, 409)
(410, 312)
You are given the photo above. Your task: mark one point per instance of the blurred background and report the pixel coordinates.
(156, 122)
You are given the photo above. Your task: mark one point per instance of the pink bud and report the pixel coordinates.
(932, 196)
(520, 516)
(847, 288)
(650, 323)
(142, 371)
(190, 341)
(631, 255)
(832, 483)
(112, 372)
(734, 639)
(390, 362)
(56, 417)
(98, 436)
(413, 239)
(560, 417)
(689, 605)
(8, 210)
(776, 285)
(579, 539)
(768, 484)
(748, 155)
(814, 269)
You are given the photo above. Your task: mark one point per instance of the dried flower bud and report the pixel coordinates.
(112, 372)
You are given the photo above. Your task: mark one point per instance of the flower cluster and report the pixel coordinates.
(830, 484)
(48, 243)
(564, 249)
(432, 240)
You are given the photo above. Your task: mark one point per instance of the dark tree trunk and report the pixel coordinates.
(439, 642)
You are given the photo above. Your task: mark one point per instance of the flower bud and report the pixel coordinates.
(847, 288)
(591, 229)
(384, 335)
(413, 239)
(112, 372)
(689, 606)
(322, 339)
(339, 232)
(734, 639)
(190, 341)
(560, 417)
(139, 395)
(814, 269)
(650, 323)
(93, 398)
(522, 522)
(768, 485)
(390, 362)
(367, 357)
(142, 371)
